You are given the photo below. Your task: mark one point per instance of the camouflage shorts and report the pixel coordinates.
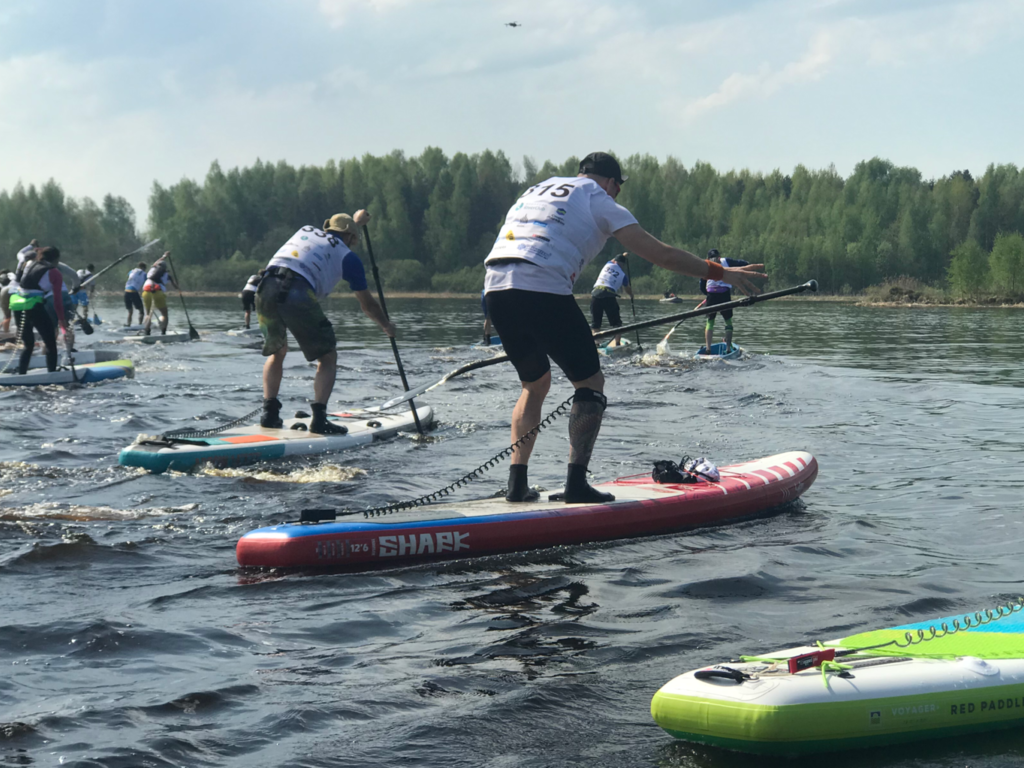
(299, 312)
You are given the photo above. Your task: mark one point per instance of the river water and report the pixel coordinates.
(129, 636)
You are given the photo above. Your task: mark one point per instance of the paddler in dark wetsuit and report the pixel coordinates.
(551, 233)
(303, 272)
(39, 279)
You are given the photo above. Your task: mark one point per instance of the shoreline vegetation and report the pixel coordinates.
(884, 233)
(877, 296)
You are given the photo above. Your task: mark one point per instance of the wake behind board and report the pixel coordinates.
(944, 682)
(84, 357)
(489, 526)
(248, 445)
(615, 350)
(86, 374)
(158, 338)
(719, 351)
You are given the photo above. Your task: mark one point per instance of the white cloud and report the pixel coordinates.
(338, 12)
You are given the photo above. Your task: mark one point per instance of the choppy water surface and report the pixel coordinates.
(129, 637)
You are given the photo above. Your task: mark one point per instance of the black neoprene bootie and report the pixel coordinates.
(518, 487)
(579, 491)
(271, 418)
(320, 425)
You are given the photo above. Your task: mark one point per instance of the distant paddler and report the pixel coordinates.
(28, 253)
(248, 295)
(550, 234)
(720, 292)
(7, 286)
(604, 298)
(133, 292)
(83, 296)
(302, 273)
(154, 293)
(39, 280)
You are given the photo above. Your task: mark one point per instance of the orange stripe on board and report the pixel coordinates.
(249, 439)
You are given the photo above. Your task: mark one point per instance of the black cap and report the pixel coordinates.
(713, 253)
(621, 258)
(602, 164)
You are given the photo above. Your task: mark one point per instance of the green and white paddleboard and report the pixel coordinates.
(913, 682)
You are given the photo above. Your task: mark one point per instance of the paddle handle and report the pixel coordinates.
(394, 344)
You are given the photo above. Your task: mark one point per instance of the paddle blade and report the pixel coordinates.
(407, 396)
(193, 333)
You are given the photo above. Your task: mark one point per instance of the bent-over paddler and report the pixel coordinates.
(550, 234)
(303, 272)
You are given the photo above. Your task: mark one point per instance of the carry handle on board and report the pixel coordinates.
(720, 672)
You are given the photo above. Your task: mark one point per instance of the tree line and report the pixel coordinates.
(435, 217)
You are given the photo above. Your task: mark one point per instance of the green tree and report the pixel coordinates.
(968, 269)
(1007, 263)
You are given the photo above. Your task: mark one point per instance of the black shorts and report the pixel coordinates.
(248, 300)
(719, 298)
(534, 326)
(604, 305)
(132, 300)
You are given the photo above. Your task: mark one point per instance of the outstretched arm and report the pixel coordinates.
(645, 245)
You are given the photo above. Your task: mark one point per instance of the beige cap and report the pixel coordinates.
(341, 222)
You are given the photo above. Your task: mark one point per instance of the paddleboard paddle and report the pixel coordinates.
(394, 344)
(192, 332)
(92, 278)
(632, 305)
(746, 301)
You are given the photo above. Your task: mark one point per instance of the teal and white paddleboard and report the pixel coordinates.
(719, 351)
(83, 374)
(615, 350)
(244, 332)
(914, 682)
(249, 445)
(494, 342)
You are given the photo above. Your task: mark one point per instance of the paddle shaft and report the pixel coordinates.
(91, 278)
(394, 344)
(192, 332)
(632, 305)
(811, 285)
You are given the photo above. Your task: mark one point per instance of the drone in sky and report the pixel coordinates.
(513, 24)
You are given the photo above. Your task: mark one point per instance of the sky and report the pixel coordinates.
(108, 96)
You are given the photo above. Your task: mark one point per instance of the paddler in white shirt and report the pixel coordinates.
(550, 234)
(133, 292)
(604, 299)
(28, 252)
(248, 295)
(302, 273)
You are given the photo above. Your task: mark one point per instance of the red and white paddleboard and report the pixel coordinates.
(488, 526)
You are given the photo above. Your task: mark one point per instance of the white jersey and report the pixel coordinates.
(316, 255)
(558, 227)
(252, 283)
(136, 279)
(612, 277)
(26, 252)
(72, 282)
